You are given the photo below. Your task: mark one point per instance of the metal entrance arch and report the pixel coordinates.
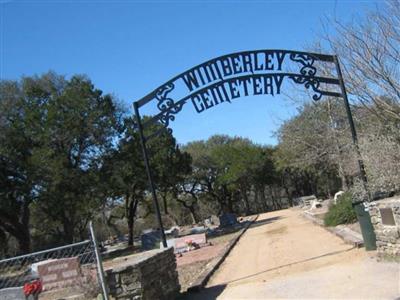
(236, 75)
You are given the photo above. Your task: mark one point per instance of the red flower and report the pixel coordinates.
(33, 287)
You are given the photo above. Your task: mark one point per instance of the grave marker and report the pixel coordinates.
(60, 273)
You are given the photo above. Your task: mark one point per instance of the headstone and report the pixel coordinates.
(305, 200)
(150, 239)
(60, 273)
(173, 231)
(207, 222)
(170, 243)
(337, 196)
(14, 293)
(215, 220)
(227, 220)
(34, 266)
(181, 244)
(198, 229)
(315, 204)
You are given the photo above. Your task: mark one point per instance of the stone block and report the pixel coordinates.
(153, 276)
(14, 293)
(388, 234)
(129, 277)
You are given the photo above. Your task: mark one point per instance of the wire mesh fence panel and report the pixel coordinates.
(58, 273)
(18, 270)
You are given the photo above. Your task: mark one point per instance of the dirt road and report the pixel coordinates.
(285, 256)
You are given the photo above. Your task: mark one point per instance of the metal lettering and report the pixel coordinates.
(236, 65)
(226, 67)
(190, 80)
(196, 101)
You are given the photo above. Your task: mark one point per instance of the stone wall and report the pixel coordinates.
(150, 275)
(385, 217)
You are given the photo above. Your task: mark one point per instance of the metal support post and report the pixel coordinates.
(363, 216)
(99, 262)
(363, 174)
(149, 174)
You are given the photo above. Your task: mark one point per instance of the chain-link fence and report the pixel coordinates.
(71, 270)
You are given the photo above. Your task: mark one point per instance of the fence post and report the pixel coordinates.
(99, 263)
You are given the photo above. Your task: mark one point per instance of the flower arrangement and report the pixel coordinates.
(33, 288)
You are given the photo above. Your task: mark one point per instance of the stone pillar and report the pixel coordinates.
(150, 275)
(385, 217)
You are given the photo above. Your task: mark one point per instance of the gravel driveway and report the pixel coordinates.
(285, 256)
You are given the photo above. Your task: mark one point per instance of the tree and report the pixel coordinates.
(79, 127)
(316, 144)
(126, 172)
(55, 133)
(228, 170)
(369, 51)
(20, 108)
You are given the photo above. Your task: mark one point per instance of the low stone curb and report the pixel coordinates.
(346, 234)
(204, 276)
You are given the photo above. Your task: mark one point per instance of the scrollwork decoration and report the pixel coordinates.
(309, 82)
(307, 71)
(307, 63)
(167, 105)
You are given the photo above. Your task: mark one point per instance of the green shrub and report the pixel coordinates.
(341, 213)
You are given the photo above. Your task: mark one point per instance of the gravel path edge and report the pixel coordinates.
(204, 276)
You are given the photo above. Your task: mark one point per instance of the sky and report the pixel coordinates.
(129, 48)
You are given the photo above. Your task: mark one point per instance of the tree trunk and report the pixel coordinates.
(228, 207)
(246, 202)
(24, 242)
(342, 177)
(257, 199)
(192, 211)
(337, 147)
(131, 218)
(289, 195)
(68, 229)
(263, 199)
(164, 197)
(272, 198)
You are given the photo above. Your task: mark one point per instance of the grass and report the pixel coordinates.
(341, 213)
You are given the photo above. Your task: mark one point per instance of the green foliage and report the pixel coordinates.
(125, 173)
(314, 148)
(55, 133)
(341, 213)
(67, 156)
(227, 169)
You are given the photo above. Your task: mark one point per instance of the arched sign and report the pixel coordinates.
(228, 77)
(232, 76)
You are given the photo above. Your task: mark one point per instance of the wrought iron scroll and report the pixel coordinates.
(307, 74)
(167, 106)
(309, 82)
(307, 62)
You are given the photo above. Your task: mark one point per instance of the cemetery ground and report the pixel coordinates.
(284, 255)
(191, 264)
(85, 285)
(281, 254)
